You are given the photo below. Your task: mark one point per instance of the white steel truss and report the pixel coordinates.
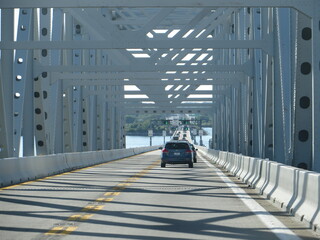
(71, 70)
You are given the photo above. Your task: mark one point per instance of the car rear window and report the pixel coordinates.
(177, 146)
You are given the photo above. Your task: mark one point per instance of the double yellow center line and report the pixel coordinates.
(71, 223)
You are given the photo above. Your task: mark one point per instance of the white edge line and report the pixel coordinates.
(277, 227)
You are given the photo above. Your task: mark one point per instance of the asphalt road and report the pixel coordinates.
(134, 198)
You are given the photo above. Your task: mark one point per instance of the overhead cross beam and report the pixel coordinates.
(298, 4)
(143, 68)
(140, 43)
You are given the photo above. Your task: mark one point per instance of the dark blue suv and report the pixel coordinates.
(177, 152)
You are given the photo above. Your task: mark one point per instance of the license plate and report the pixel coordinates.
(176, 154)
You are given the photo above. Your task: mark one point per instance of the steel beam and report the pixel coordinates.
(315, 89)
(305, 5)
(246, 68)
(6, 88)
(302, 148)
(141, 43)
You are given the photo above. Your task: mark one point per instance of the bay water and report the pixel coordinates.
(143, 141)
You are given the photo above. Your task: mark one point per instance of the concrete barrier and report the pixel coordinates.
(281, 184)
(245, 167)
(307, 201)
(18, 170)
(254, 172)
(227, 160)
(223, 159)
(295, 190)
(237, 164)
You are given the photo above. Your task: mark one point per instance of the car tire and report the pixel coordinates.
(163, 165)
(190, 165)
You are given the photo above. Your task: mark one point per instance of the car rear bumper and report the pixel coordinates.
(176, 161)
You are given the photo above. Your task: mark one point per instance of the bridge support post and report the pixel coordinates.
(6, 86)
(302, 148)
(316, 88)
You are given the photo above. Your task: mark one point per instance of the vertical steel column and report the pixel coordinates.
(268, 111)
(103, 123)
(224, 122)
(257, 144)
(302, 151)
(242, 105)
(86, 119)
(86, 100)
(267, 72)
(284, 51)
(77, 99)
(67, 90)
(221, 125)
(214, 127)
(110, 118)
(41, 86)
(249, 111)
(315, 86)
(237, 118)
(120, 116)
(67, 117)
(123, 132)
(94, 115)
(20, 67)
(249, 56)
(77, 115)
(216, 123)
(281, 86)
(56, 95)
(239, 112)
(99, 129)
(28, 111)
(112, 124)
(233, 120)
(278, 123)
(97, 111)
(118, 132)
(117, 117)
(6, 87)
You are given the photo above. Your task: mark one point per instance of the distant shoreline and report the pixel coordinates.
(145, 133)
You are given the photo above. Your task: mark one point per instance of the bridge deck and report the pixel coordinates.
(133, 198)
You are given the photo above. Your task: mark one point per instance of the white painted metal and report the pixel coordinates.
(6, 89)
(302, 154)
(315, 88)
(80, 56)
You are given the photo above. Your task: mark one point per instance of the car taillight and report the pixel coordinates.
(165, 150)
(188, 151)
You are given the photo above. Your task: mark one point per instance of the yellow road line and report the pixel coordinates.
(89, 208)
(61, 230)
(79, 217)
(75, 217)
(104, 199)
(54, 230)
(124, 184)
(132, 179)
(69, 230)
(92, 208)
(111, 193)
(86, 217)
